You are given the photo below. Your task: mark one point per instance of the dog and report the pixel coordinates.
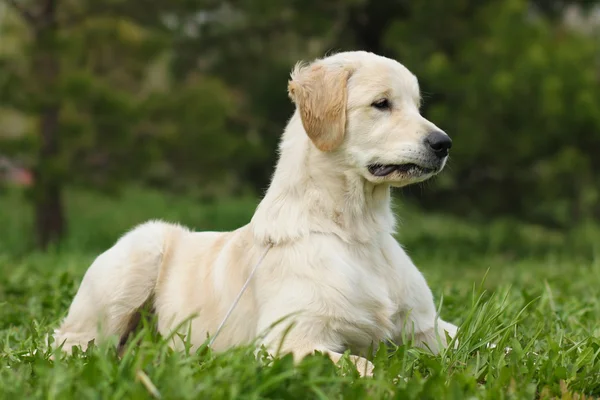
(325, 228)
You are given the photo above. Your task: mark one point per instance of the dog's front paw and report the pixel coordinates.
(450, 329)
(437, 339)
(365, 367)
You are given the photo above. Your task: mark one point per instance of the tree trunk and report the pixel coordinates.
(49, 214)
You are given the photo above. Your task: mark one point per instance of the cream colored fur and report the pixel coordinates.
(335, 266)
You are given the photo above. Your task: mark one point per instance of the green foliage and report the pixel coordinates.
(544, 326)
(122, 116)
(191, 95)
(520, 99)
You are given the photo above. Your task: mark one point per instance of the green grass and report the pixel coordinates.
(540, 298)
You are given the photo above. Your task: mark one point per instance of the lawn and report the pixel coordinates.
(533, 292)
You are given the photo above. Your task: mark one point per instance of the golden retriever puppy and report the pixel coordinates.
(332, 265)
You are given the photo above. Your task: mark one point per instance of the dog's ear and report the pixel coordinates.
(320, 93)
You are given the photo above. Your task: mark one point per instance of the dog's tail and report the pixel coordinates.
(117, 285)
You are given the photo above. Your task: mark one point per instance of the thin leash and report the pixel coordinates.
(239, 296)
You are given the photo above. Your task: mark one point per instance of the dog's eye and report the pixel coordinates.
(383, 104)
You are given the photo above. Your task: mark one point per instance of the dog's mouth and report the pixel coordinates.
(383, 170)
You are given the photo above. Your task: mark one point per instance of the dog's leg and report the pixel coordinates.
(419, 321)
(424, 328)
(417, 316)
(434, 338)
(116, 285)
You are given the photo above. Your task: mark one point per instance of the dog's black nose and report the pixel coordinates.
(439, 142)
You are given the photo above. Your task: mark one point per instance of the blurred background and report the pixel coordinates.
(115, 111)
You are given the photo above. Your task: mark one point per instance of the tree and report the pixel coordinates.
(73, 93)
(45, 67)
(515, 89)
(97, 78)
(191, 95)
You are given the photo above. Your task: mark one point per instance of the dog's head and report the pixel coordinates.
(365, 108)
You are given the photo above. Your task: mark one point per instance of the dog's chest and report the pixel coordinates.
(358, 290)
